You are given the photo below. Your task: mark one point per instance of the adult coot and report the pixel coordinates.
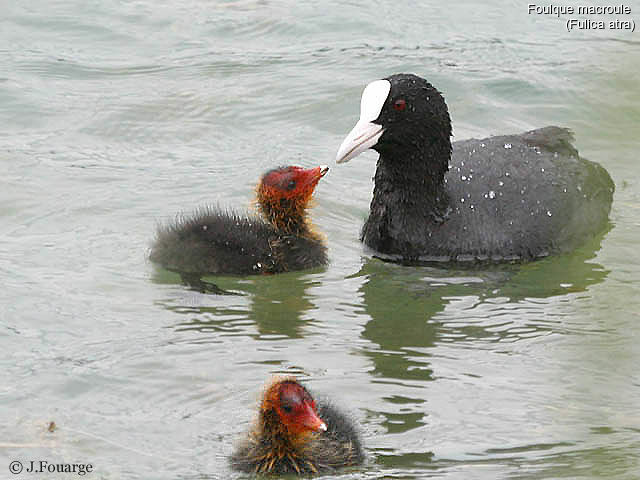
(294, 434)
(511, 197)
(220, 242)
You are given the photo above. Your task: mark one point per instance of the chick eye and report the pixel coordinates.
(399, 105)
(287, 408)
(291, 185)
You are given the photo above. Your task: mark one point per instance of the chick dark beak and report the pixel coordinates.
(322, 170)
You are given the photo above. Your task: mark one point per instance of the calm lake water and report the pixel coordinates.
(119, 115)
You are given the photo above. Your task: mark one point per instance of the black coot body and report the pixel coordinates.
(512, 197)
(218, 242)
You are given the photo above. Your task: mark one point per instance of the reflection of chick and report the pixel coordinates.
(293, 435)
(213, 241)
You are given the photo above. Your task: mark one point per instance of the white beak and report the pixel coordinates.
(365, 134)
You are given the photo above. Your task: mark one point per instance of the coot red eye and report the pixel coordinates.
(399, 105)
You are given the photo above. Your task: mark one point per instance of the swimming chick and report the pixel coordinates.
(294, 434)
(219, 242)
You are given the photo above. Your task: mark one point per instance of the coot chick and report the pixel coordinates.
(294, 434)
(215, 241)
(505, 198)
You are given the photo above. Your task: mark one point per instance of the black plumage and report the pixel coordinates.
(511, 197)
(223, 242)
(216, 241)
